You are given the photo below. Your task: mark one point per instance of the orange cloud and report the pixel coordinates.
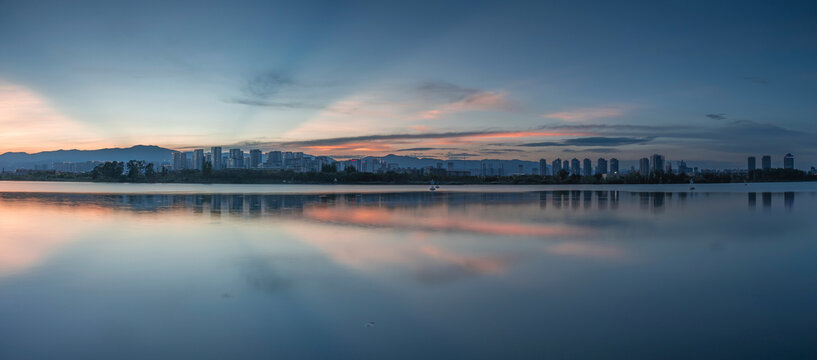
(382, 144)
(357, 146)
(431, 114)
(523, 134)
(485, 100)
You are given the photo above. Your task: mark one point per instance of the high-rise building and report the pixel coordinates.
(601, 166)
(236, 159)
(179, 160)
(543, 167)
(751, 163)
(290, 163)
(644, 166)
(614, 166)
(198, 159)
(215, 153)
(657, 162)
(766, 162)
(566, 166)
(275, 159)
(556, 166)
(682, 167)
(788, 161)
(587, 167)
(255, 158)
(575, 167)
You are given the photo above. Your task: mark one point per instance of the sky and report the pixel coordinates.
(698, 81)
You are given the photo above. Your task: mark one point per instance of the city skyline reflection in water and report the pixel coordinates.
(572, 273)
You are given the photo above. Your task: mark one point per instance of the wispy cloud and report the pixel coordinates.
(266, 84)
(449, 92)
(716, 116)
(739, 137)
(260, 90)
(593, 150)
(458, 99)
(592, 141)
(590, 113)
(425, 149)
(500, 151)
(272, 104)
(462, 154)
(438, 135)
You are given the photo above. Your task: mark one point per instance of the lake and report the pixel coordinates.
(170, 271)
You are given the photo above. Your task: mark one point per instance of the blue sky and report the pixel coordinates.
(693, 80)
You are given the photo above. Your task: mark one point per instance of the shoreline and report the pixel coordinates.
(87, 187)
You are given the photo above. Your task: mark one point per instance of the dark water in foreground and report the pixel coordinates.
(543, 274)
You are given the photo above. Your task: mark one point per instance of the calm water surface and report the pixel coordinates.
(122, 271)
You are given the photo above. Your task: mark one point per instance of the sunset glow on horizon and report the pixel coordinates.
(459, 81)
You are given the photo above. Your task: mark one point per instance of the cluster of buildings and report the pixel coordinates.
(254, 159)
(300, 162)
(604, 167)
(69, 167)
(576, 167)
(647, 165)
(766, 162)
(236, 158)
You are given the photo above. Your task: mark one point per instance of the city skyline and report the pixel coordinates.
(524, 81)
(253, 158)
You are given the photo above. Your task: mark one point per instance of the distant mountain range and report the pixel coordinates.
(475, 166)
(151, 153)
(148, 153)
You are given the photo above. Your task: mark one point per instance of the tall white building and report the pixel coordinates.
(236, 159)
(198, 159)
(179, 160)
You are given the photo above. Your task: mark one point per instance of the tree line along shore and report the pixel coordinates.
(141, 172)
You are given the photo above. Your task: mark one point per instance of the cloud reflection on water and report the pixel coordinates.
(350, 228)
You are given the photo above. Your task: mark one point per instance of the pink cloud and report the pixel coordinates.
(484, 100)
